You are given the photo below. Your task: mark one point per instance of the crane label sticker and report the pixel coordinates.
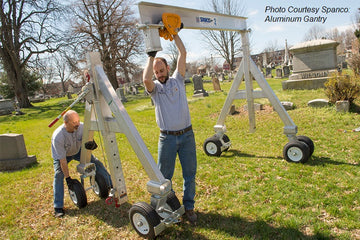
(208, 21)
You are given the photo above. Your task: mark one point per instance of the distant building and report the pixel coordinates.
(55, 89)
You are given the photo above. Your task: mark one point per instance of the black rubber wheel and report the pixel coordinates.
(296, 152)
(226, 139)
(78, 194)
(173, 201)
(144, 218)
(308, 141)
(212, 146)
(100, 186)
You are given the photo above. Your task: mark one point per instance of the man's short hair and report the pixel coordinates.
(67, 115)
(162, 59)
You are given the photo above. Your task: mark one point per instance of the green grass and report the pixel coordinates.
(250, 192)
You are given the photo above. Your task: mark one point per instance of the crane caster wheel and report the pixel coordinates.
(226, 139)
(144, 218)
(99, 185)
(172, 204)
(308, 142)
(78, 194)
(212, 146)
(296, 152)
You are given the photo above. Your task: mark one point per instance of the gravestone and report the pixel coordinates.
(257, 107)
(134, 90)
(286, 71)
(221, 77)
(232, 110)
(120, 92)
(279, 73)
(288, 105)
(313, 62)
(7, 106)
(342, 106)
(268, 72)
(198, 87)
(318, 103)
(13, 154)
(216, 83)
(230, 76)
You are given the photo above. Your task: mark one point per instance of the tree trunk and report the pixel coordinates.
(14, 74)
(21, 92)
(111, 74)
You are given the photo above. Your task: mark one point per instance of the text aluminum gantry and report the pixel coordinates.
(299, 148)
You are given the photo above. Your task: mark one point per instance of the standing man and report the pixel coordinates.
(66, 146)
(173, 118)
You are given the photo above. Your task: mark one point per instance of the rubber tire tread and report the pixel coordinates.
(149, 213)
(302, 146)
(80, 194)
(217, 143)
(173, 201)
(103, 187)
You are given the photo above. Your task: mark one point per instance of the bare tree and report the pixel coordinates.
(173, 54)
(108, 26)
(225, 43)
(315, 32)
(26, 31)
(357, 24)
(355, 58)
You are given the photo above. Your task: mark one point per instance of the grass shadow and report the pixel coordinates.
(111, 215)
(243, 228)
(233, 226)
(316, 161)
(236, 153)
(354, 108)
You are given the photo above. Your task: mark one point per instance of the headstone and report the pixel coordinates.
(216, 83)
(278, 73)
(268, 72)
(221, 77)
(13, 154)
(288, 105)
(286, 56)
(286, 71)
(344, 65)
(7, 106)
(121, 94)
(313, 62)
(318, 103)
(265, 63)
(342, 106)
(230, 76)
(198, 87)
(134, 90)
(232, 110)
(257, 107)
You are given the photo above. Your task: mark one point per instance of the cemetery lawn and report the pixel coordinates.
(250, 192)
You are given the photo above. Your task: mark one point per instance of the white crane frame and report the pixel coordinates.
(299, 148)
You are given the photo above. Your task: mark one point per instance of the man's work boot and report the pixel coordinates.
(191, 216)
(59, 212)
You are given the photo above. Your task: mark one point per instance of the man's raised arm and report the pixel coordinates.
(181, 61)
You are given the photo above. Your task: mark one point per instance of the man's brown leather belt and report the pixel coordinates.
(177, 133)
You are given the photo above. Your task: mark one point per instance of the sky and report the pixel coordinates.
(260, 19)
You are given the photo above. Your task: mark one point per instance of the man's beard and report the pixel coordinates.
(166, 78)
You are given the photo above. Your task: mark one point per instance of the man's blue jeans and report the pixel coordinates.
(183, 145)
(59, 177)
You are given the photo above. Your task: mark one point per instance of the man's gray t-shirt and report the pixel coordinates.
(171, 107)
(64, 143)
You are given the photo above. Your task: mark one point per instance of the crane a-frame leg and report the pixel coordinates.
(105, 113)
